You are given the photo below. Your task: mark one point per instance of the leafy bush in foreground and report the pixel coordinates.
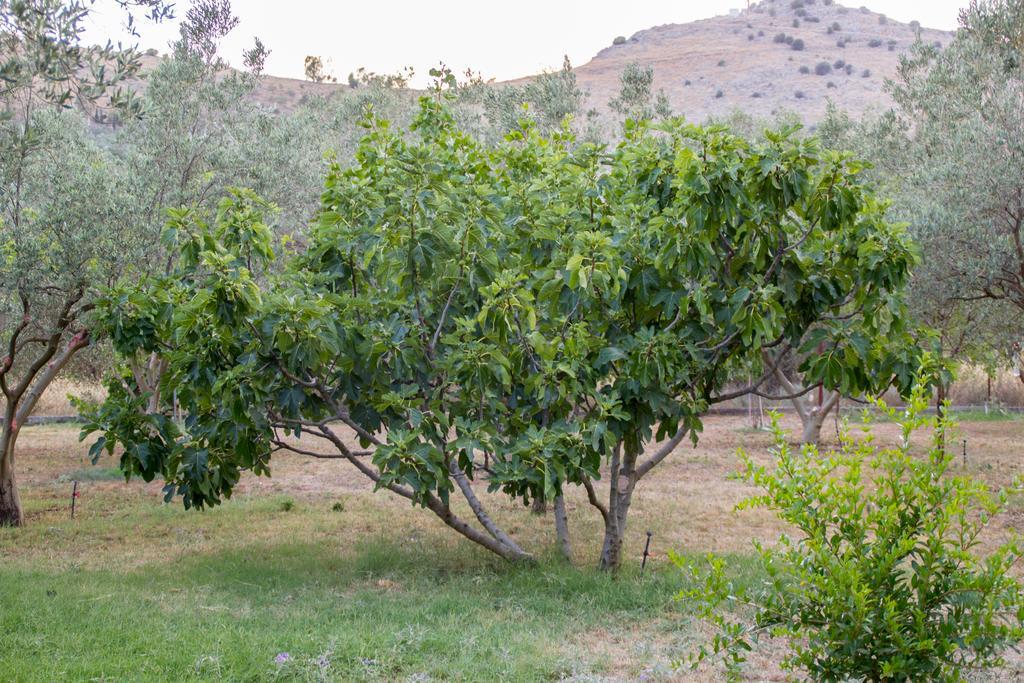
(883, 579)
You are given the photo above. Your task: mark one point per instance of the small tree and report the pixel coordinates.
(538, 309)
(883, 579)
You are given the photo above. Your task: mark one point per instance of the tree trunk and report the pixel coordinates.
(940, 412)
(11, 513)
(622, 480)
(614, 536)
(812, 427)
(562, 528)
(539, 506)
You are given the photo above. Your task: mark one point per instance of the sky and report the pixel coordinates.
(502, 40)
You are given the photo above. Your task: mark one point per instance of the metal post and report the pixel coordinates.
(647, 552)
(965, 453)
(74, 497)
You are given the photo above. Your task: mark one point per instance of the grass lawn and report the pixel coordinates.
(313, 568)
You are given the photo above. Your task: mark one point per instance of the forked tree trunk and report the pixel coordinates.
(622, 481)
(21, 401)
(813, 420)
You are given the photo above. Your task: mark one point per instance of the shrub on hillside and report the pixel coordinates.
(882, 577)
(882, 19)
(822, 68)
(799, 94)
(804, 69)
(796, 23)
(875, 42)
(866, 73)
(849, 69)
(797, 44)
(619, 40)
(779, 38)
(719, 95)
(721, 62)
(840, 43)
(838, 64)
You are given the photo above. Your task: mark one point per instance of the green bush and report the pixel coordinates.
(823, 68)
(883, 579)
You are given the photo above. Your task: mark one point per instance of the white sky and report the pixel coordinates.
(502, 40)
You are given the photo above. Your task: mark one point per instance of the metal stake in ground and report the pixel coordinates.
(965, 452)
(74, 497)
(647, 552)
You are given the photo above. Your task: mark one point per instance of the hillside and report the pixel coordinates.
(737, 56)
(715, 66)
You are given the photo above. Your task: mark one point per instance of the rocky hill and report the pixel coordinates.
(777, 55)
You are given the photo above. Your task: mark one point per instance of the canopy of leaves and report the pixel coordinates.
(543, 302)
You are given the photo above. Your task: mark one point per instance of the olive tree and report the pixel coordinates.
(533, 316)
(58, 193)
(953, 152)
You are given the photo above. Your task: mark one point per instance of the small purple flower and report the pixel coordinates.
(282, 657)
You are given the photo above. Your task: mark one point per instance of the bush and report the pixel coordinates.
(796, 4)
(830, 84)
(719, 95)
(686, 82)
(916, 25)
(755, 95)
(840, 43)
(797, 44)
(750, 36)
(804, 69)
(760, 34)
(849, 69)
(866, 73)
(875, 42)
(882, 578)
(721, 62)
(835, 26)
(779, 38)
(864, 10)
(790, 40)
(796, 23)
(799, 94)
(801, 12)
(838, 64)
(619, 40)
(812, 20)
(822, 68)
(882, 19)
